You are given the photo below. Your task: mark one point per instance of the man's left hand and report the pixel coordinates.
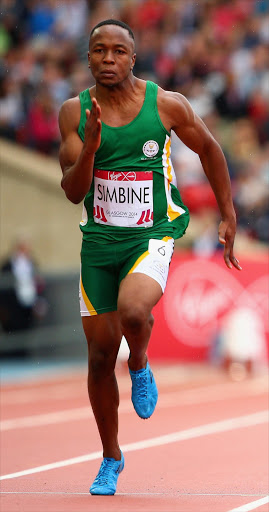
(227, 230)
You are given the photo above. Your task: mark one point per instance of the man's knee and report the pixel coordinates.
(133, 318)
(101, 363)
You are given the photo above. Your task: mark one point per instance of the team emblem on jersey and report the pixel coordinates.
(151, 148)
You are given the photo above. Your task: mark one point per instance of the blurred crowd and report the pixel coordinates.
(215, 52)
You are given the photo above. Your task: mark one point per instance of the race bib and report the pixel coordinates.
(123, 199)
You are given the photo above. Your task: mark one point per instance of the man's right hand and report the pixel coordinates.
(93, 128)
(77, 157)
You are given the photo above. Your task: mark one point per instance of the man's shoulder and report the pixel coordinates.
(71, 105)
(69, 115)
(171, 98)
(167, 99)
(172, 106)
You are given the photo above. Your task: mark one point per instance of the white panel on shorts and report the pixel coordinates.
(156, 260)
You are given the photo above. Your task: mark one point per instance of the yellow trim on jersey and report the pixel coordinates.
(169, 167)
(173, 211)
(87, 301)
(166, 238)
(142, 257)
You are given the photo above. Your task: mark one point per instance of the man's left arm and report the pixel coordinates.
(194, 134)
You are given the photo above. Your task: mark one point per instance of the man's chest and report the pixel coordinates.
(121, 116)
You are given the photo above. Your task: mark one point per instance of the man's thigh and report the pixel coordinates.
(98, 287)
(104, 268)
(138, 292)
(144, 281)
(152, 258)
(103, 332)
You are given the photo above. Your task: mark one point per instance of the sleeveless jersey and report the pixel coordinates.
(134, 191)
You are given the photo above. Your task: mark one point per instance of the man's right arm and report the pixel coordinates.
(77, 158)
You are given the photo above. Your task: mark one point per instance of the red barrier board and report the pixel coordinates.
(200, 293)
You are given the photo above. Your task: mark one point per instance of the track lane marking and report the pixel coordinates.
(50, 418)
(251, 506)
(178, 398)
(182, 435)
(137, 493)
(62, 391)
(52, 392)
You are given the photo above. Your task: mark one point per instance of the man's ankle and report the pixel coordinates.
(112, 453)
(136, 364)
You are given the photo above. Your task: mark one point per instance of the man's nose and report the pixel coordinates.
(109, 57)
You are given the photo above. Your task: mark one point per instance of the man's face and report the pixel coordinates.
(111, 55)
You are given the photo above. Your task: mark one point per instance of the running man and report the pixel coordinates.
(115, 156)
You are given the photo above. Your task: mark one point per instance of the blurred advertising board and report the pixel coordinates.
(200, 295)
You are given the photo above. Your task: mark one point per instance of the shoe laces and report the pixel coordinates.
(142, 388)
(104, 472)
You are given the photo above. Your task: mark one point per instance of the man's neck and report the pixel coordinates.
(117, 94)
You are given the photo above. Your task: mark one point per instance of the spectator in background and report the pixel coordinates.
(22, 299)
(71, 17)
(11, 108)
(240, 346)
(206, 242)
(43, 130)
(58, 86)
(41, 19)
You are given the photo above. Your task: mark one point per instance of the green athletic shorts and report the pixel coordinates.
(104, 266)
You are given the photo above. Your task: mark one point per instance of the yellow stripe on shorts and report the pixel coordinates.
(145, 254)
(142, 257)
(87, 301)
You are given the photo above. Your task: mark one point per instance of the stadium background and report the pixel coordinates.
(215, 52)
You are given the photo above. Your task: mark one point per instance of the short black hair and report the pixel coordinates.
(113, 22)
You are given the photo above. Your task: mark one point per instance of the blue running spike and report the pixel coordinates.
(144, 392)
(106, 481)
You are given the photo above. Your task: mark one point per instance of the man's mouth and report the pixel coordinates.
(108, 73)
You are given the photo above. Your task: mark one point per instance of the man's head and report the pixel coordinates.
(113, 22)
(111, 52)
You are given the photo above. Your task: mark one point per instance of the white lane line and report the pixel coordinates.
(50, 418)
(182, 435)
(65, 391)
(135, 493)
(251, 506)
(175, 398)
(52, 392)
(61, 391)
(39, 420)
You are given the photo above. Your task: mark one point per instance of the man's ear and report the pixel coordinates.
(89, 60)
(133, 61)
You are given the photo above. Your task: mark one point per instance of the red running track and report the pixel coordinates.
(204, 449)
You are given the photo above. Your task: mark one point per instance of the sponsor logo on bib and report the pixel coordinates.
(151, 148)
(122, 176)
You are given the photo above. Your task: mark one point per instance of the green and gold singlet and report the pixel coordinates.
(134, 192)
